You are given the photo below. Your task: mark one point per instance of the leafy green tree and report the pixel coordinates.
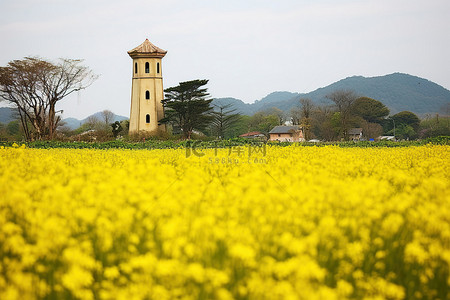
(336, 123)
(434, 126)
(405, 132)
(126, 126)
(116, 128)
(263, 122)
(404, 125)
(241, 126)
(187, 107)
(395, 124)
(11, 131)
(369, 109)
(407, 118)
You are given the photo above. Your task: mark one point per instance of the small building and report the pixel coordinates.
(253, 135)
(282, 133)
(355, 134)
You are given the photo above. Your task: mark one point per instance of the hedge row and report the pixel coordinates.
(158, 144)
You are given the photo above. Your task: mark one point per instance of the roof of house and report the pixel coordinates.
(253, 133)
(285, 129)
(355, 131)
(147, 48)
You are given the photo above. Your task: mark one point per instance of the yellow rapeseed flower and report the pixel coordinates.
(290, 223)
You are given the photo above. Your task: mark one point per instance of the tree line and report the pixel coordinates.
(188, 109)
(34, 86)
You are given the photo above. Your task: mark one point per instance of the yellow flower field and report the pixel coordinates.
(240, 223)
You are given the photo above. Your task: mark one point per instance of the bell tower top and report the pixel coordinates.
(147, 50)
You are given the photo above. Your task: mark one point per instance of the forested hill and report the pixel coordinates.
(7, 115)
(397, 91)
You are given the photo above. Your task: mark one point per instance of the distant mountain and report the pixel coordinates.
(271, 100)
(73, 123)
(397, 91)
(238, 105)
(98, 115)
(7, 115)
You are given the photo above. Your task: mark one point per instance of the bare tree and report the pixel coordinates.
(322, 123)
(371, 130)
(306, 110)
(107, 116)
(92, 122)
(295, 115)
(344, 99)
(34, 86)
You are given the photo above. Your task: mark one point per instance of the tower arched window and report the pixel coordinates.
(135, 68)
(157, 68)
(147, 118)
(147, 67)
(147, 95)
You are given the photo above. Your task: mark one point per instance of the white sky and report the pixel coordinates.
(246, 48)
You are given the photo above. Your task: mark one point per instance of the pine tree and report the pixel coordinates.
(187, 107)
(225, 118)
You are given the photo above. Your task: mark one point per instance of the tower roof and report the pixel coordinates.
(147, 49)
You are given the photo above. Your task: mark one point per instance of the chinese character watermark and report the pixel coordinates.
(250, 153)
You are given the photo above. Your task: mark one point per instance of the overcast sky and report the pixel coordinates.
(246, 48)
